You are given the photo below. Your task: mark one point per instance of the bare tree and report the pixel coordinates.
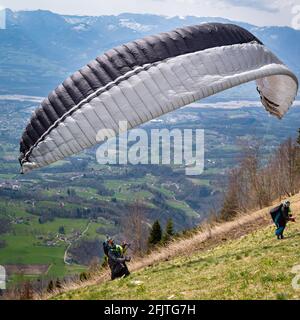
(231, 203)
(135, 228)
(255, 182)
(287, 168)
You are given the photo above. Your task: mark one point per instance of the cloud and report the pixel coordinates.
(258, 12)
(264, 5)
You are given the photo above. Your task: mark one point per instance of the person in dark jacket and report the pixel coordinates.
(117, 262)
(281, 215)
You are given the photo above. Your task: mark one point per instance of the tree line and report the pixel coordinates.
(257, 181)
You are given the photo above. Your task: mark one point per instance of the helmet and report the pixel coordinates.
(286, 204)
(110, 241)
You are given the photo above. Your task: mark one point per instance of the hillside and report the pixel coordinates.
(235, 260)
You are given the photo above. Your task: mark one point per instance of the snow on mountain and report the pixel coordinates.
(39, 49)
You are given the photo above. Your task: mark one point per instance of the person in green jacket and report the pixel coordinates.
(116, 258)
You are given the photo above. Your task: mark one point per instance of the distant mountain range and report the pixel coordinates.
(39, 49)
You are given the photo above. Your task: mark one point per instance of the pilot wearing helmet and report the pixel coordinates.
(281, 215)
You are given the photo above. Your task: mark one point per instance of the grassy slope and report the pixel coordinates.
(253, 266)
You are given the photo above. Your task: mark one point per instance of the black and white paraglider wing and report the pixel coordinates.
(143, 79)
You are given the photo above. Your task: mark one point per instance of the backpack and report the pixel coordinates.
(105, 247)
(275, 211)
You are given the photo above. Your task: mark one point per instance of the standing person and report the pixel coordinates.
(117, 261)
(281, 215)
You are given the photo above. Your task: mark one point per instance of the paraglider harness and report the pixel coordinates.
(106, 247)
(282, 212)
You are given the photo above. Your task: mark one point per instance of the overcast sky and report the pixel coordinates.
(259, 12)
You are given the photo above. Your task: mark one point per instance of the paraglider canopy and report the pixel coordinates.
(143, 79)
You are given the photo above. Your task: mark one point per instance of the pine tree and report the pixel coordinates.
(58, 284)
(61, 230)
(84, 276)
(155, 234)
(169, 232)
(50, 286)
